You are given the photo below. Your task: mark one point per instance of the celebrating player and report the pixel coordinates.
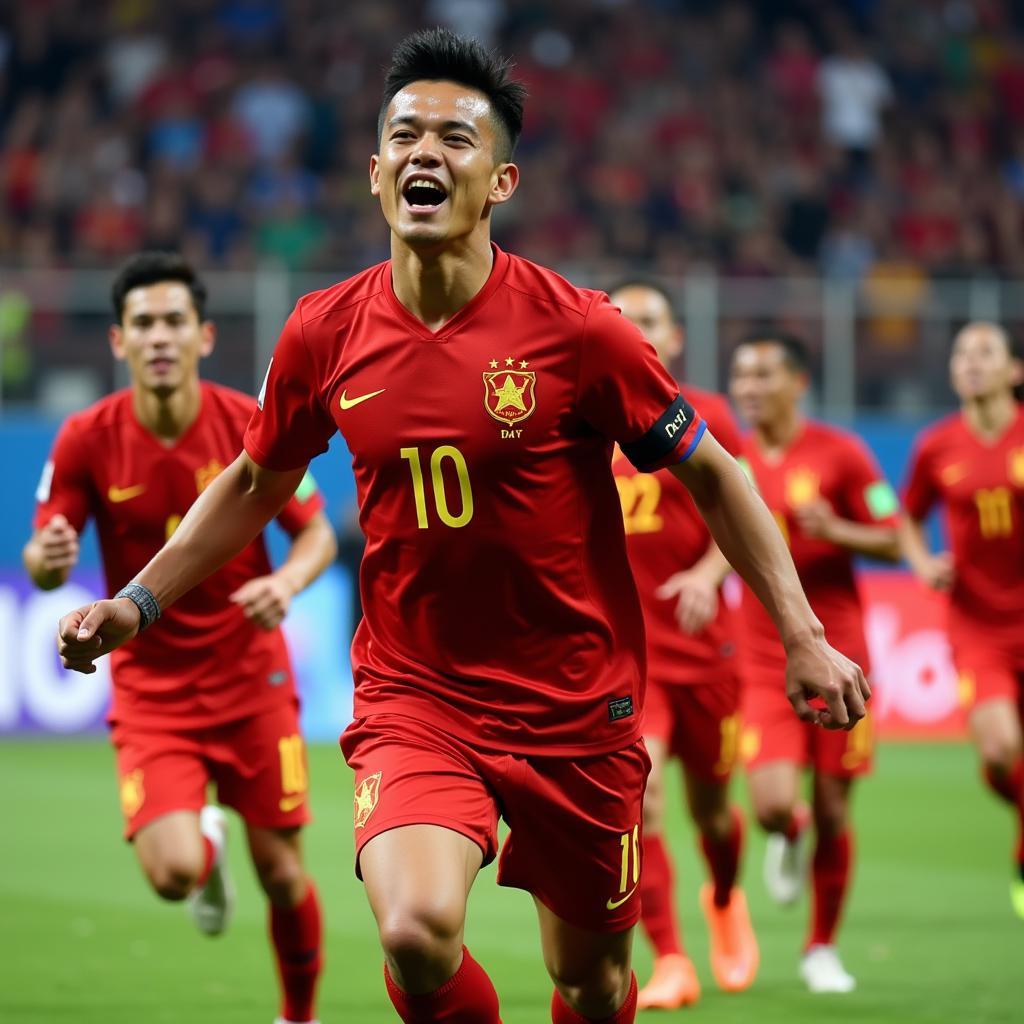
(831, 503)
(693, 693)
(499, 663)
(210, 694)
(973, 463)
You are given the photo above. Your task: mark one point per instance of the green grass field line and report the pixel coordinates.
(929, 933)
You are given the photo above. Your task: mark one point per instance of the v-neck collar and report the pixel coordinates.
(155, 441)
(990, 444)
(498, 269)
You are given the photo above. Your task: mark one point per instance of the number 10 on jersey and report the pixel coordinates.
(439, 457)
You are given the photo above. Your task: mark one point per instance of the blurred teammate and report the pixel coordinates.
(973, 463)
(693, 693)
(499, 664)
(210, 694)
(831, 503)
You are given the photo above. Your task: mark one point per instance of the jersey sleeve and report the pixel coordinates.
(301, 506)
(627, 395)
(869, 497)
(290, 425)
(65, 486)
(920, 492)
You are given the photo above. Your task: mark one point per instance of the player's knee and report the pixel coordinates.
(173, 878)
(283, 879)
(421, 940)
(594, 991)
(715, 824)
(998, 755)
(830, 817)
(774, 816)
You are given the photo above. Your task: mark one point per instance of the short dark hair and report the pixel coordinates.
(154, 267)
(651, 285)
(794, 349)
(439, 55)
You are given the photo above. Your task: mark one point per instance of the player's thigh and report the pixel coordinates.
(654, 797)
(170, 851)
(576, 835)
(996, 730)
(159, 773)
(259, 765)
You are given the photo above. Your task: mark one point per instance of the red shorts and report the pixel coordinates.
(258, 764)
(575, 836)
(772, 732)
(698, 722)
(988, 671)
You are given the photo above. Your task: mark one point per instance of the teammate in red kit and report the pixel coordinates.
(499, 666)
(693, 691)
(973, 464)
(831, 503)
(210, 695)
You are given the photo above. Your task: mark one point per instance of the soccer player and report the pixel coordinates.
(693, 694)
(499, 663)
(210, 695)
(973, 464)
(830, 502)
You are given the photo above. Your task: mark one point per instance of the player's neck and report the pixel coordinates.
(775, 437)
(167, 417)
(990, 415)
(434, 286)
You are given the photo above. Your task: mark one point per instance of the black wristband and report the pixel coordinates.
(143, 599)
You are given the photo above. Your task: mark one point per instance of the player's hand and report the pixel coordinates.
(95, 629)
(696, 599)
(815, 518)
(58, 545)
(265, 600)
(817, 674)
(937, 571)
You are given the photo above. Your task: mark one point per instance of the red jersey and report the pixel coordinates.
(202, 662)
(822, 462)
(498, 601)
(665, 534)
(981, 485)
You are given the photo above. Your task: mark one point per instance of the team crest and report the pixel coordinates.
(1016, 467)
(205, 475)
(509, 392)
(133, 793)
(801, 487)
(367, 794)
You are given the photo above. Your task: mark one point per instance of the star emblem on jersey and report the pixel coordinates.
(802, 486)
(367, 794)
(205, 475)
(509, 395)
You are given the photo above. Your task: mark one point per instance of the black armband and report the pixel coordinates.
(143, 599)
(661, 440)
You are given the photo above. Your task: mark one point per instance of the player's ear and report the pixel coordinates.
(208, 337)
(116, 338)
(374, 175)
(504, 182)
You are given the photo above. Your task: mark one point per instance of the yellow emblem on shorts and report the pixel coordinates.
(205, 475)
(367, 793)
(133, 793)
(1015, 466)
(802, 487)
(750, 743)
(966, 688)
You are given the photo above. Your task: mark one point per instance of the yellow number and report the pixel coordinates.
(995, 511)
(640, 496)
(173, 522)
(292, 754)
(859, 743)
(630, 844)
(444, 513)
(729, 731)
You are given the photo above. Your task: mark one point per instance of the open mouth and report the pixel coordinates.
(423, 195)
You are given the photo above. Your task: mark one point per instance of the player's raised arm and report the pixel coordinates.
(223, 521)
(750, 539)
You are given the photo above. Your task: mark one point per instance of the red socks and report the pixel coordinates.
(626, 1014)
(830, 876)
(657, 898)
(723, 858)
(297, 936)
(209, 856)
(1010, 787)
(467, 997)
(798, 821)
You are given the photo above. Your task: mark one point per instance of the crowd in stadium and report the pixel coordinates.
(858, 139)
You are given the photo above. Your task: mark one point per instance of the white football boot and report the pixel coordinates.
(823, 971)
(212, 903)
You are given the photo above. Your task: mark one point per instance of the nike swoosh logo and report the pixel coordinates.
(346, 403)
(119, 494)
(615, 904)
(289, 803)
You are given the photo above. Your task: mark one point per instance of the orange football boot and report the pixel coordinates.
(734, 952)
(673, 984)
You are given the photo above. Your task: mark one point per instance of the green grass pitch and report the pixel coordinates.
(929, 932)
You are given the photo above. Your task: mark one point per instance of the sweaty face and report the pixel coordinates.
(648, 309)
(981, 363)
(436, 174)
(160, 337)
(763, 386)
